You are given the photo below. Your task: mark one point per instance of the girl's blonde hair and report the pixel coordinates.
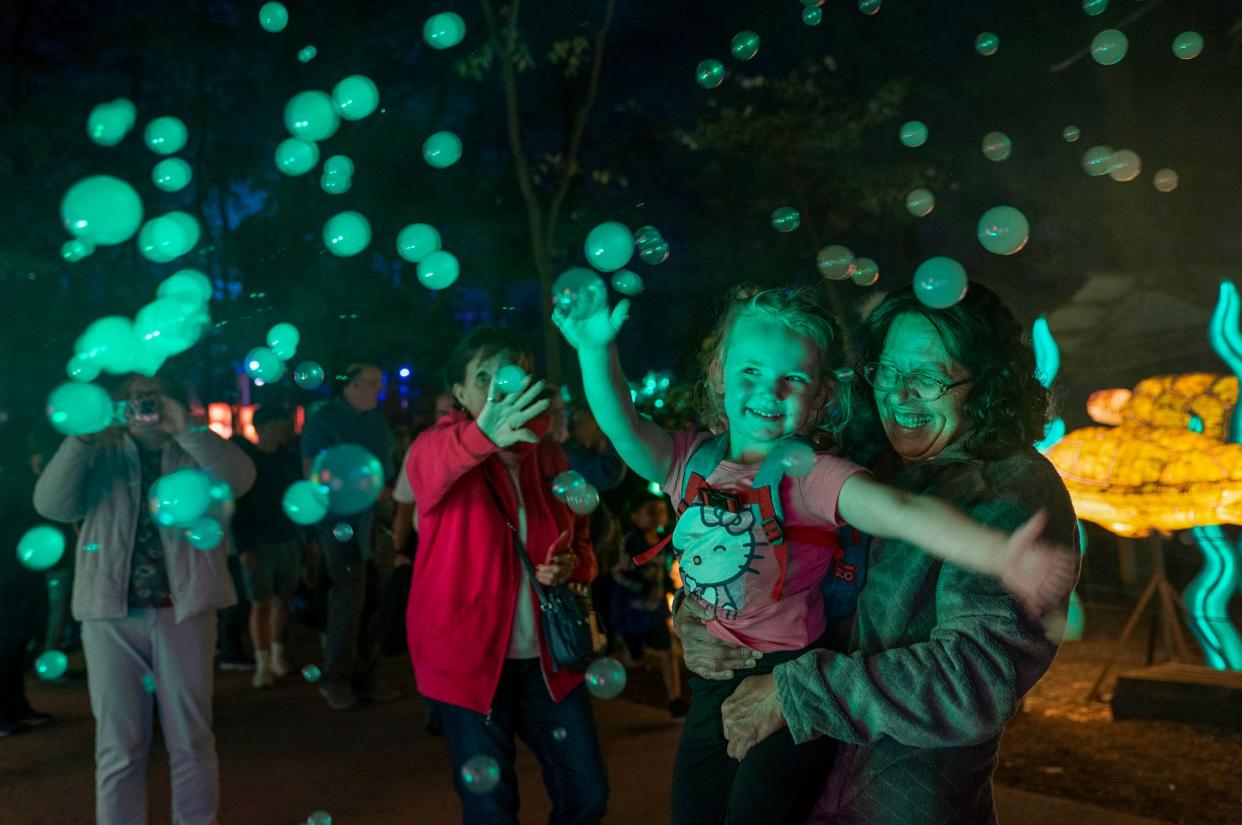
(799, 311)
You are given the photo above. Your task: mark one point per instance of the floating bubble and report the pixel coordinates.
(1109, 47)
(307, 54)
(579, 293)
(352, 475)
(835, 262)
(609, 246)
(75, 249)
(913, 133)
(148, 683)
(1165, 180)
(509, 378)
(1071, 133)
(812, 16)
(627, 282)
(416, 241)
(996, 146)
(1188, 45)
(346, 234)
(940, 282)
(799, 459)
(438, 270)
(335, 184)
(745, 45)
(222, 492)
(566, 483)
(91, 548)
(584, 500)
(559, 733)
(1124, 166)
(605, 678)
(442, 150)
(311, 673)
(355, 97)
(101, 209)
(1003, 230)
(295, 156)
(987, 43)
(305, 502)
(785, 219)
(169, 326)
(866, 272)
(171, 174)
(82, 369)
(308, 375)
(168, 237)
(1096, 160)
(654, 253)
(339, 165)
(187, 285)
(283, 338)
(311, 117)
(343, 532)
(109, 123)
(869, 6)
(179, 498)
(710, 73)
(51, 665)
(263, 365)
(165, 135)
(41, 547)
(479, 774)
(204, 533)
(1094, 7)
(920, 203)
(273, 17)
(319, 818)
(110, 343)
(443, 31)
(79, 409)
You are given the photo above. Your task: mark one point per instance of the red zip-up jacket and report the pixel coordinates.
(466, 572)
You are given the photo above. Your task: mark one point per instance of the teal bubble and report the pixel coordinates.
(165, 135)
(416, 241)
(812, 16)
(786, 219)
(109, 123)
(710, 73)
(920, 202)
(319, 818)
(584, 501)
(346, 234)
(443, 31)
(311, 116)
(222, 492)
(343, 532)
(835, 262)
(311, 673)
(438, 270)
(579, 293)
(940, 282)
(283, 338)
(295, 156)
(605, 678)
(355, 97)
(1124, 166)
(559, 733)
(442, 150)
(480, 774)
(273, 17)
(91, 548)
(1071, 133)
(171, 174)
(866, 271)
(204, 533)
(1188, 45)
(148, 683)
(41, 547)
(82, 369)
(307, 54)
(305, 502)
(101, 209)
(262, 364)
(1109, 47)
(652, 248)
(798, 459)
(308, 375)
(1165, 180)
(627, 282)
(1003, 230)
(339, 165)
(869, 6)
(169, 326)
(335, 184)
(913, 133)
(187, 285)
(51, 665)
(996, 146)
(1096, 160)
(509, 378)
(987, 43)
(565, 483)
(1094, 7)
(167, 237)
(75, 249)
(110, 343)
(180, 497)
(609, 246)
(352, 476)
(745, 45)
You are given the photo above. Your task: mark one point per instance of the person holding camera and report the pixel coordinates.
(146, 597)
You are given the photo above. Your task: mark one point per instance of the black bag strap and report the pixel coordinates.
(517, 541)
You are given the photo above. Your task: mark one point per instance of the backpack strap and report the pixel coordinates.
(698, 467)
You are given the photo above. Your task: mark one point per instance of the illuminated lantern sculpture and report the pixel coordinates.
(1105, 406)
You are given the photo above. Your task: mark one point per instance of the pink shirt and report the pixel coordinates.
(727, 570)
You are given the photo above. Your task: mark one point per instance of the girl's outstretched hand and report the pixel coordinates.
(597, 330)
(1039, 574)
(503, 418)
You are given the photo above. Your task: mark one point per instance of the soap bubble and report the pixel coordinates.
(559, 734)
(187, 285)
(319, 818)
(920, 203)
(1188, 45)
(305, 502)
(343, 532)
(812, 16)
(627, 282)
(148, 683)
(273, 17)
(479, 774)
(1124, 166)
(91, 548)
(41, 547)
(866, 272)
(308, 375)
(584, 500)
(652, 248)
(566, 483)
(79, 409)
(835, 262)
(798, 459)
(307, 54)
(913, 133)
(438, 270)
(204, 533)
(171, 174)
(165, 135)
(442, 150)
(346, 234)
(75, 249)
(417, 241)
(987, 43)
(869, 6)
(355, 97)
(1165, 180)
(940, 282)
(996, 146)
(295, 156)
(180, 497)
(311, 673)
(311, 117)
(167, 237)
(785, 219)
(1096, 160)
(1071, 133)
(605, 678)
(509, 378)
(109, 123)
(745, 45)
(335, 184)
(609, 246)
(169, 326)
(578, 293)
(283, 338)
(1109, 47)
(82, 369)
(262, 364)
(352, 475)
(109, 342)
(51, 665)
(443, 31)
(1003, 230)
(101, 209)
(710, 73)
(1094, 7)
(339, 165)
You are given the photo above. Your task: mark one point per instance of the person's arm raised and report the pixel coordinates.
(645, 446)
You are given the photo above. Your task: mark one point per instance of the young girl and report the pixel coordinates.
(769, 379)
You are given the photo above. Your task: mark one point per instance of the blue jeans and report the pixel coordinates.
(562, 735)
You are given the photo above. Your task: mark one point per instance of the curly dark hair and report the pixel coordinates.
(1007, 406)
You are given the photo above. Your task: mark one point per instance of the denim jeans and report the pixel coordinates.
(562, 735)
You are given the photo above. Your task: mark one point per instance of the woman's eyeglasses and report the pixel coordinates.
(922, 386)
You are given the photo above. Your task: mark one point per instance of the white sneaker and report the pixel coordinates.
(262, 677)
(280, 664)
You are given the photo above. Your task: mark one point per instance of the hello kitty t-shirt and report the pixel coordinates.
(764, 596)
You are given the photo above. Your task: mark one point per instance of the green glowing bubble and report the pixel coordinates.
(148, 683)
(996, 146)
(180, 497)
(110, 343)
(509, 378)
(940, 282)
(171, 174)
(627, 282)
(1095, 161)
(652, 248)
(1094, 7)
(710, 73)
(1165, 180)
(566, 483)
(745, 45)
(168, 326)
(785, 219)
(204, 533)
(41, 547)
(82, 369)
(1124, 166)
(311, 117)
(75, 249)
(284, 338)
(920, 203)
(1071, 133)
(335, 184)
(109, 123)
(307, 54)
(913, 133)
(311, 673)
(479, 774)
(605, 678)
(51, 665)
(1188, 45)
(438, 270)
(262, 364)
(352, 475)
(343, 532)
(305, 502)
(1109, 47)
(101, 209)
(355, 97)
(91, 548)
(609, 246)
(835, 262)
(308, 375)
(987, 43)
(442, 150)
(222, 492)
(165, 135)
(168, 236)
(812, 16)
(443, 31)
(187, 285)
(339, 165)
(346, 234)
(273, 17)
(866, 272)
(869, 6)
(559, 734)
(579, 293)
(319, 817)
(1003, 230)
(417, 241)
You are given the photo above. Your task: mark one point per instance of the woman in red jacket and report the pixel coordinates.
(472, 619)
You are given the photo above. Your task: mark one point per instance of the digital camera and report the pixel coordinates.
(144, 410)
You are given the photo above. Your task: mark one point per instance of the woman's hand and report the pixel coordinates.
(560, 564)
(503, 420)
(174, 417)
(1039, 574)
(752, 714)
(705, 655)
(597, 330)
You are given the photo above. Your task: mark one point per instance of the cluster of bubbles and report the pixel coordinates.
(419, 243)
(266, 365)
(605, 678)
(579, 292)
(576, 492)
(338, 174)
(184, 499)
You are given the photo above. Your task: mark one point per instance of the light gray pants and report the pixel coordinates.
(119, 653)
